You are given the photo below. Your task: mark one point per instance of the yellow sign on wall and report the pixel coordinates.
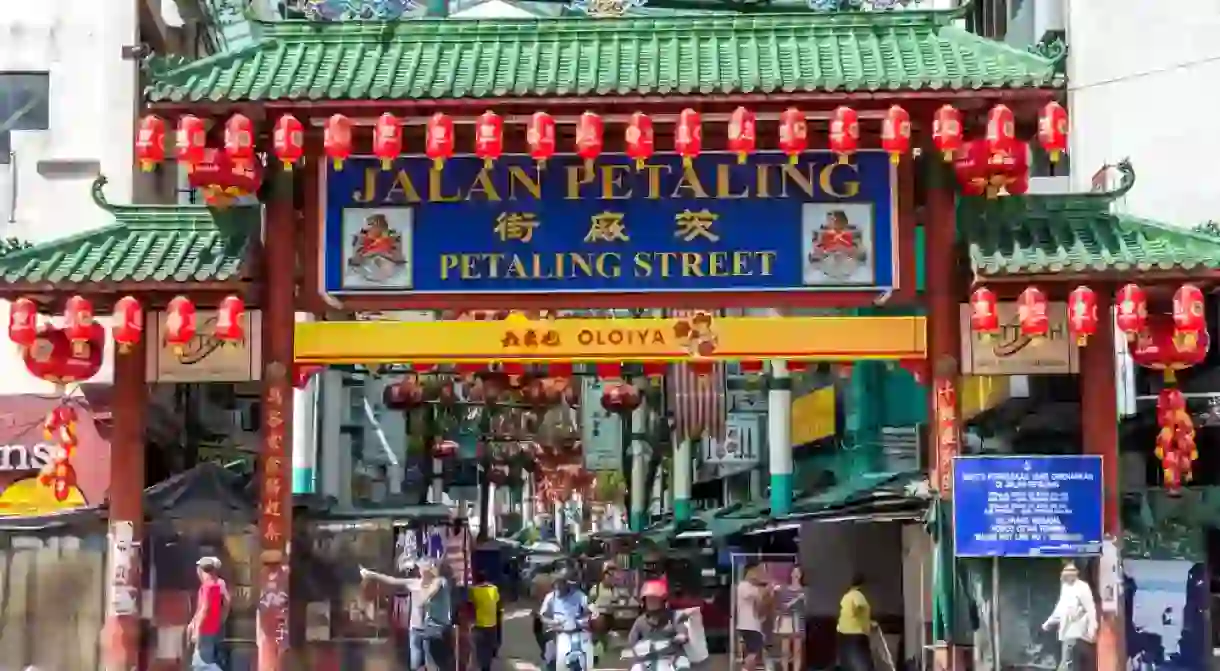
(813, 416)
(702, 337)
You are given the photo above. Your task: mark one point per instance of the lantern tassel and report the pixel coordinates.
(639, 164)
(386, 163)
(947, 156)
(489, 163)
(741, 158)
(1055, 156)
(1082, 340)
(1170, 376)
(793, 159)
(147, 166)
(438, 163)
(842, 159)
(895, 158)
(589, 165)
(338, 163)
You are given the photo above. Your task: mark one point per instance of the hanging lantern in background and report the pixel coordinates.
(1188, 315)
(1082, 314)
(288, 140)
(540, 136)
(590, 138)
(896, 133)
(387, 140)
(639, 138)
(983, 173)
(1001, 130)
(742, 135)
(179, 323)
(23, 323)
(1032, 314)
(608, 370)
(1131, 308)
(620, 398)
(150, 142)
(1053, 130)
(844, 133)
(489, 138)
(191, 139)
(128, 323)
(229, 327)
(984, 313)
(947, 133)
(1157, 347)
(239, 140)
(438, 140)
(655, 370)
(78, 324)
(688, 136)
(793, 134)
(751, 367)
(797, 366)
(337, 139)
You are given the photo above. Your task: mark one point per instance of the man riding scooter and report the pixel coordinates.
(564, 614)
(657, 638)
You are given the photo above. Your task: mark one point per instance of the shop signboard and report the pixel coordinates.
(601, 431)
(741, 444)
(512, 228)
(206, 358)
(1011, 353)
(1027, 506)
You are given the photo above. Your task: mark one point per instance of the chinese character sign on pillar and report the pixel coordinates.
(274, 520)
(947, 434)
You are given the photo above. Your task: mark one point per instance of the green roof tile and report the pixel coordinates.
(444, 59)
(147, 243)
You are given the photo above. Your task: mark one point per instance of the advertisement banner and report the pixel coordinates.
(742, 443)
(601, 432)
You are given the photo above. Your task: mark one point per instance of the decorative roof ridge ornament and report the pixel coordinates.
(357, 10)
(602, 9)
(1101, 182)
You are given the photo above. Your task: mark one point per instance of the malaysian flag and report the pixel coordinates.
(696, 396)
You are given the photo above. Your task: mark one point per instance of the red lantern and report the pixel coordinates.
(742, 134)
(639, 138)
(1082, 314)
(229, 316)
(489, 138)
(896, 133)
(78, 323)
(191, 140)
(655, 370)
(541, 137)
(608, 370)
(1188, 315)
(1001, 130)
(621, 398)
(1131, 306)
(387, 139)
(589, 138)
(150, 142)
(984, 313)
(406, 395)
(221, 180)
(128, 323)
(751, 367)
(180, 323)
(239, 140)
(1031, 313)
(438, 144)
(688, 136)
(947, 131)
(23, 322)
(337, 139)
(53, 358)
(980, 172)
(1157, 347)
(793, 134)
(288, 140)
(1053, 129)
(844, 132)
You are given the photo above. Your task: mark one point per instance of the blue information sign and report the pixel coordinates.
(713, 226)
(1027, 506)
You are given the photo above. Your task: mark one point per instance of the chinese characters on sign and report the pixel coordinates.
(274, 519)
(274, 464)
(947, 434)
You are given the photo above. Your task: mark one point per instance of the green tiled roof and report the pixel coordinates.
(146, 244)
(445, 59)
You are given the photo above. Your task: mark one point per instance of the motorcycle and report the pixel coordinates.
(572, 645)
(664, 654)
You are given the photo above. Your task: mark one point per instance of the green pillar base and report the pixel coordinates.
(302, 480)
(638, 521)
(781, 494)
(681, 510)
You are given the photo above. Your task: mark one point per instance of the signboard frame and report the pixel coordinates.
(1011, 353)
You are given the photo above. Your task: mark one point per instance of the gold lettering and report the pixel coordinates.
(666, 259)
(741, 264)
(607, 227)
(767, 259)
(851, 185)
(790, 174)
(724, 188)
(654, 179)
(582, 263)
(469, 271)
(612, 182)
(717, 262)
(577, 177)
(436, 189)
(516, 269)
(762, 180)
(484, 185)
(517, 176)
(493, 264)
(369, 192)
(689, 182)
(643, 265)
(448, 262)
(691, 265)
(516, 226)
(609, 265)
(402, 184)
(693, 225)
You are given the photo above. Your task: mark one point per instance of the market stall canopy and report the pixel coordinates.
(879, 497)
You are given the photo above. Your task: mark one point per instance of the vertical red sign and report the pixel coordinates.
(948, 441)
(274, 521)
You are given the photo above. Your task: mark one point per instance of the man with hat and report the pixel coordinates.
(1075, 616)
(206, 629)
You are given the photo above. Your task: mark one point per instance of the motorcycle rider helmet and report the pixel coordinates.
(653, 594)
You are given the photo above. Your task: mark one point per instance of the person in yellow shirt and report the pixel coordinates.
(855, 624)
(488, 615)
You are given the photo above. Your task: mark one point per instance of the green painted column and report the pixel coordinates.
(683, 464)
(865, 396)
(779, 437)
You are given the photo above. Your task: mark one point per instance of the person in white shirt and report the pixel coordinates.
(1075, 616)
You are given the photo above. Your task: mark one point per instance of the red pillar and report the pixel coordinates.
(121, 642)
(1099, 428)
(275, 463)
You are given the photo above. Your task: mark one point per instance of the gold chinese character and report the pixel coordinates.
(275, 396)
(551, 339)
(272, 532)
(275, 419)
(271, 509)
(607, 227)
(531, 338)
(510, 339)
(272, 487)
(516, 226)
(274, 466)
(693, 225)
(275, 443)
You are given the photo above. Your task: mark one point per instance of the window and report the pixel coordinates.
(988, 18)
(24, 105)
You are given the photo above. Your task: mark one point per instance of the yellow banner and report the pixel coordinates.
(702, 338)
(813, 416)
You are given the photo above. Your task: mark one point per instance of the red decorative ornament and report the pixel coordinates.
(78, 323)
(52, 357)
(387, 139)
(540, 136)
(1188, 318)
(797, 366)
(444, 449)
(128, 323)
(438, 141)
(406, 395)
(982, 172)
(844, 133)
(288, 140)
(655, 370)
(239, 139)
(947, 133)
(608, 370)
(793, 134)
(621, 398)
(742, 135)
(1082, 314)
(1053, 130)
(489, 138)
(337, 139)
(229, 327)
(639, 138)
(896, 133)
(1001, 130)
(180, 323)
(590, 138)
(1032, 314)
(222, 181)
(1131, 308)
(150, 142)
(1156, 347)
(1175, 442)
(23, 322)
(190, 142)
(688, 136)
(984, 313)
(751, 367)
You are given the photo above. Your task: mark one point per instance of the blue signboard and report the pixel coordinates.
(1027, 506)
(716, 226)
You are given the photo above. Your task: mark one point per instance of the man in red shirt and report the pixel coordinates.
(211, 607)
